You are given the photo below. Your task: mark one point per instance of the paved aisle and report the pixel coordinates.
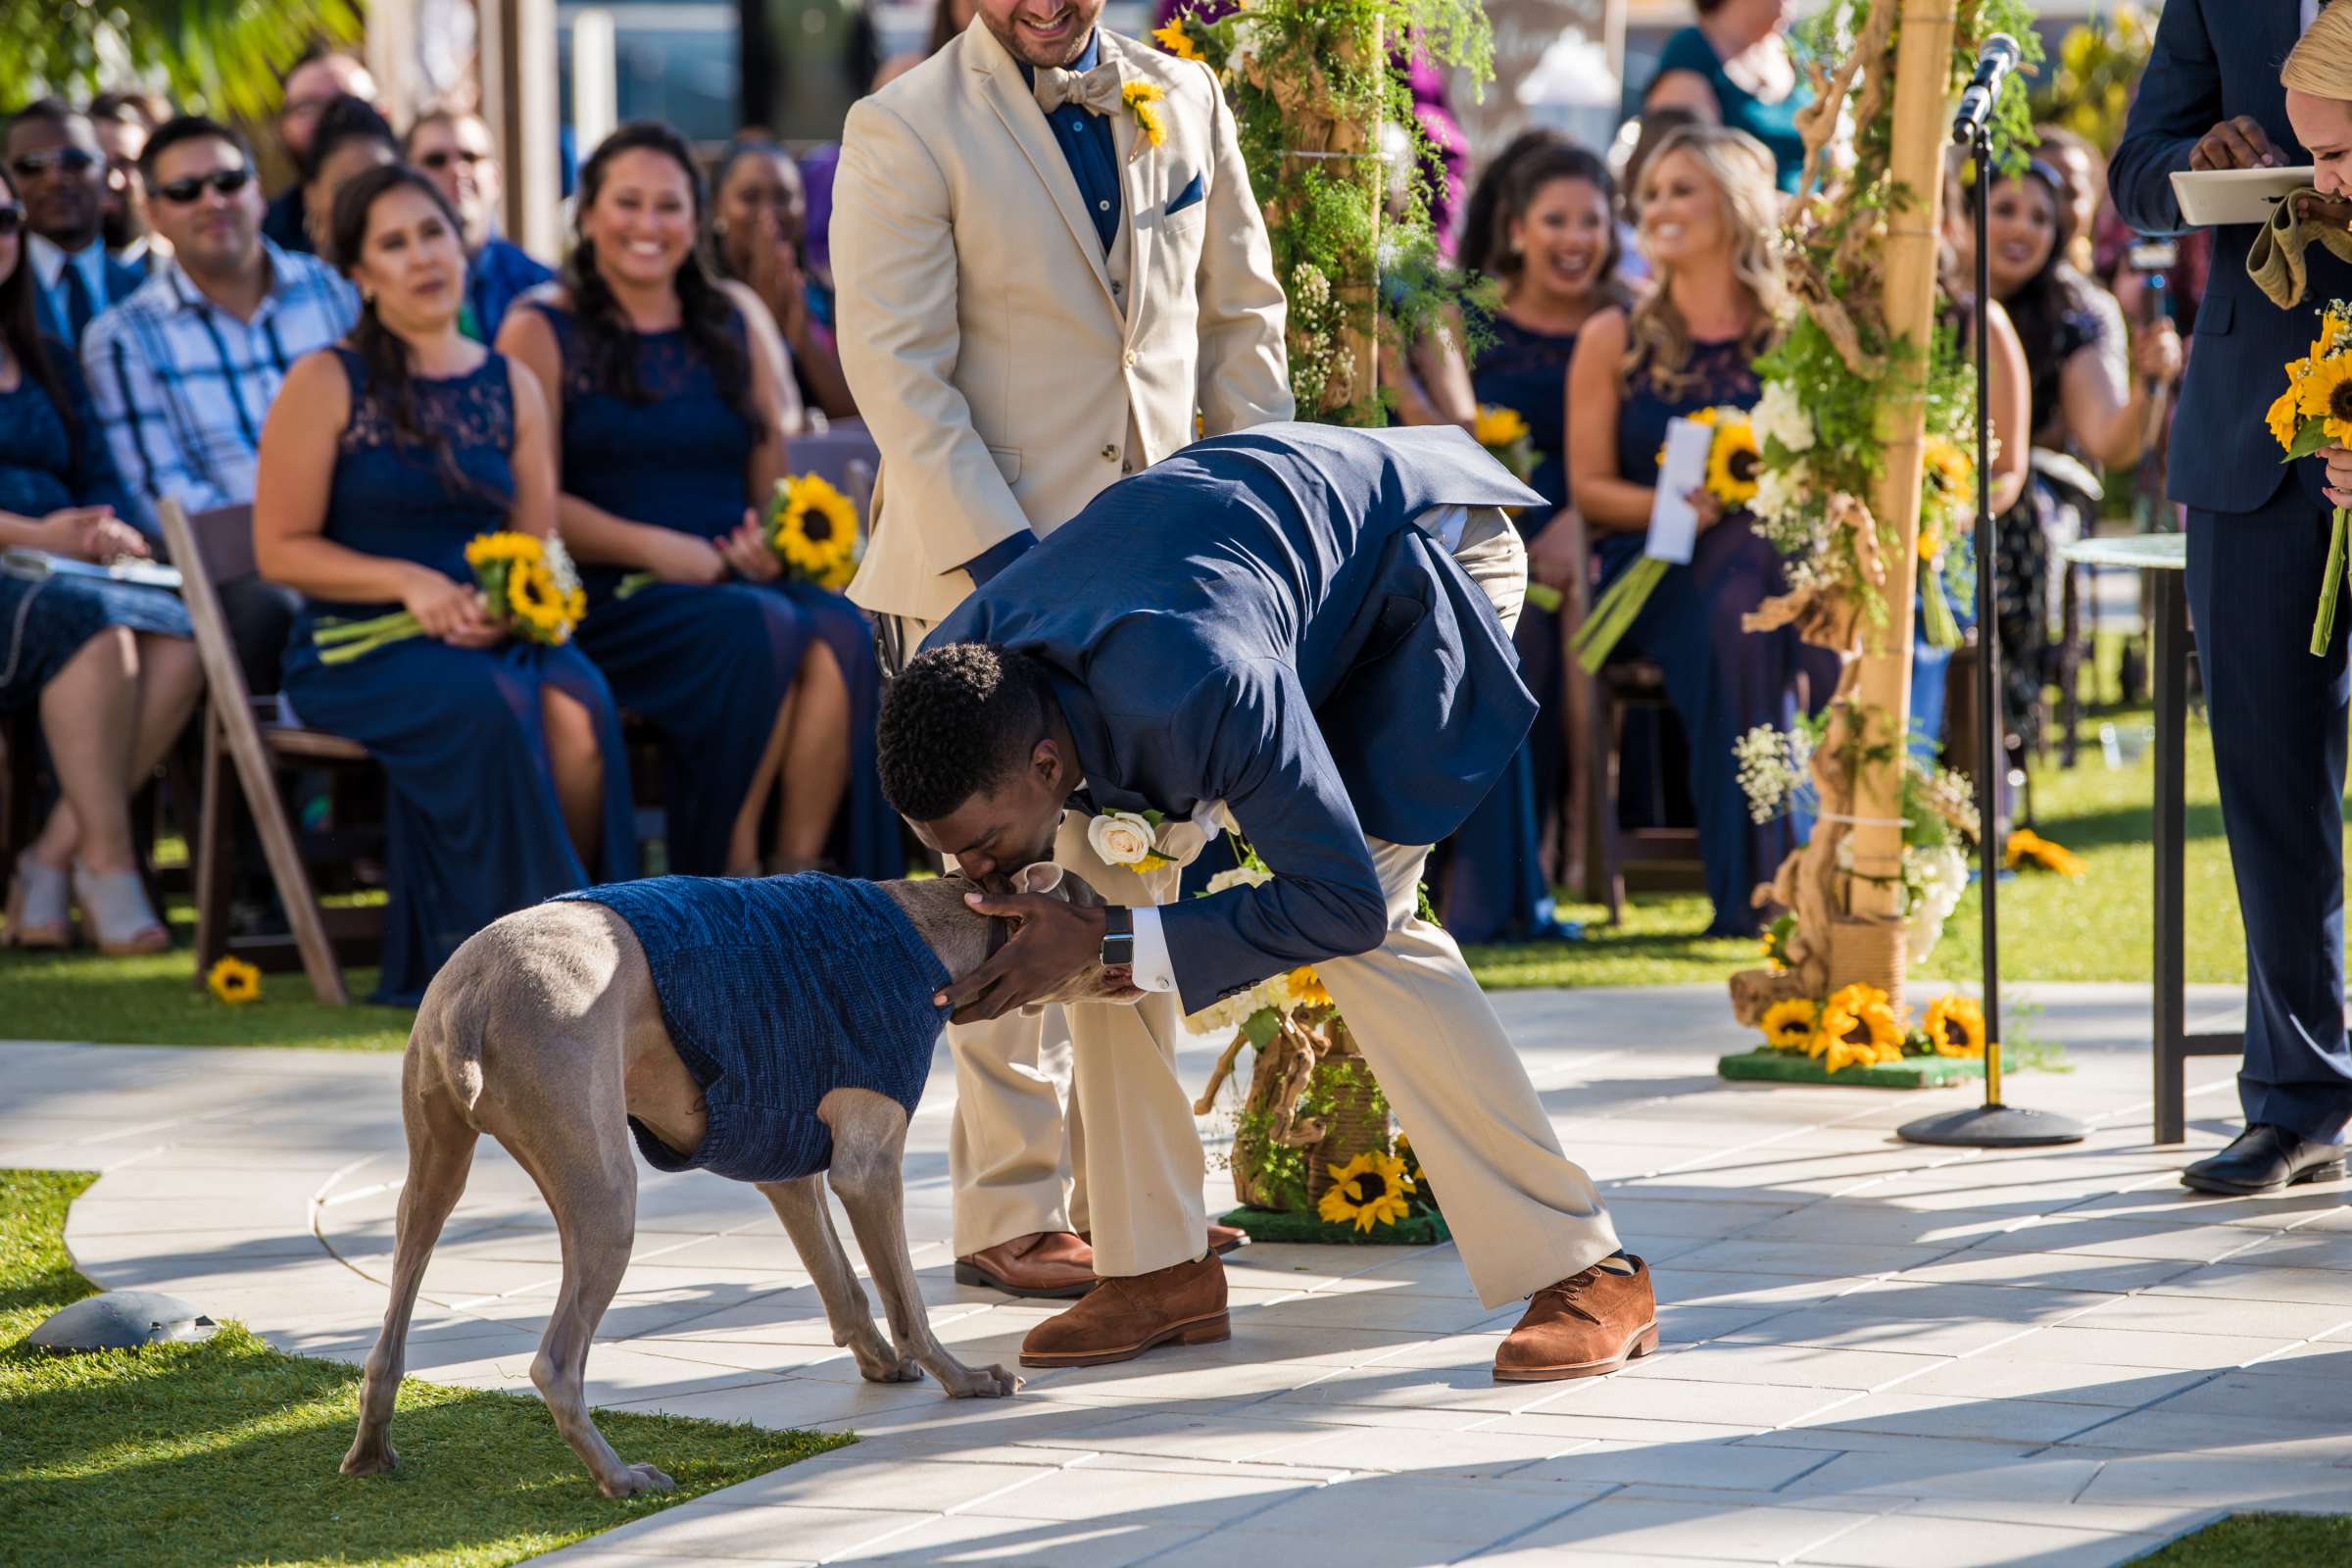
(1875, 1353)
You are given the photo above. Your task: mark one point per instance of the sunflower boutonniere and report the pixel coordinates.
(1142, 100)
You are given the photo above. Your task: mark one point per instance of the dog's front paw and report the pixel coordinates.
(631, 1479)
(979, 1382)
(878, 1361)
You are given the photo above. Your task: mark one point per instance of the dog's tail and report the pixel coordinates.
(463, 1057)
(447, 1038)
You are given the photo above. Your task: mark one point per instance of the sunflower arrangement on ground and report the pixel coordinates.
(530, 588)
(1733, 469)
(813, 528)
(2314, 412)
(1312, 1158)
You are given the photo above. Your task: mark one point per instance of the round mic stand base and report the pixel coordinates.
(1994, 1126)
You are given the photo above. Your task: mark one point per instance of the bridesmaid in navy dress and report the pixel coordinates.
(381, 460)
(1555, 252)
(1709, 209)
(672, 385)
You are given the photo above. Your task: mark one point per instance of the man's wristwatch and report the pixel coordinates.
(1118, 938)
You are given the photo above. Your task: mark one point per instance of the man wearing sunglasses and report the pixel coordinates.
(456, 153)
(58, 169)
(184, 371)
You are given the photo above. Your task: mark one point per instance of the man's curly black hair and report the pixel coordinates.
(958, 721)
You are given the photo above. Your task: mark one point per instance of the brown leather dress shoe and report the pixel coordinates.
(1586, 1325)
(1127, 1316)
(1048, 1265)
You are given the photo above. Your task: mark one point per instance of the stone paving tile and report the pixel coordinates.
(1906, 1541)
(1464, 1514)
(1030, 1544)
(1637, 1529)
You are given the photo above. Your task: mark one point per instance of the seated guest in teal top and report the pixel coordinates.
(383, 458)
(456, 153)
(1733, 69)
(671, 391)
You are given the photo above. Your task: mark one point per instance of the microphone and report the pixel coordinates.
(1994, 61)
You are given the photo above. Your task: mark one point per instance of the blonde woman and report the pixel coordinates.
(1708, 216)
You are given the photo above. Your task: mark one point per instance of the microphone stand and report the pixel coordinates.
(1991, 1125)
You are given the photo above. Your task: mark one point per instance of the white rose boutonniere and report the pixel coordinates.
(1128, 839)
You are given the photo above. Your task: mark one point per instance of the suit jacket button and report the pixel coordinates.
(1110, 454)
(1132, 355)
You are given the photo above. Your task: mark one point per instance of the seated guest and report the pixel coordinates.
(108, 666)
(315, 81)
(1553, 250)
(762, 232)
(669, 413)
(948, 18)
(59, 172)
(388, 453)
(184, 371)
(456, 153)
(1709, 215)
(122, 122)
(1733, 69)
(350, 139)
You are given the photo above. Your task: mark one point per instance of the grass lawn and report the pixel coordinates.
(2262, 1541)
(2052, 929)
(225, 1451)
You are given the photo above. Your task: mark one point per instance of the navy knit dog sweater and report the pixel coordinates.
(776, 992)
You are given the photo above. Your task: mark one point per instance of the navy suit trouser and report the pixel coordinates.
(2278, 718)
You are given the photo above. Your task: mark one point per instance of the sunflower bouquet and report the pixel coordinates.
(2314, 412)
(1857, 1027)
(813, 527)
(529, 587)
(1505, 434)
(1735, 463)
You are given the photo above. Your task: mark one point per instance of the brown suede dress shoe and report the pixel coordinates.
(1048, 1265)
(1222, 1239)
(1586, 1325)
(1127, 1316)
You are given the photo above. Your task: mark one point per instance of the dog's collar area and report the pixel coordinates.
(1000, 932)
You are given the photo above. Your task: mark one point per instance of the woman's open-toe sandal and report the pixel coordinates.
(40, 906)
(121, 920)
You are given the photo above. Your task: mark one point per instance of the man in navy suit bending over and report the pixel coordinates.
(1302, 632)
(2257, 551)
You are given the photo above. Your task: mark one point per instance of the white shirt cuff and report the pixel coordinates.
(1152, 971)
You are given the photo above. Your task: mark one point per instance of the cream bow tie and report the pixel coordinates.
(1096, 91)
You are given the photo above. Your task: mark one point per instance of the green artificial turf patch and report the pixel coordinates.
(1424, 1229)
(2262, 1541)
(225, 1451)
(1792, 1067)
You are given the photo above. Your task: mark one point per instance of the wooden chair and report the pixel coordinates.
(247, 739)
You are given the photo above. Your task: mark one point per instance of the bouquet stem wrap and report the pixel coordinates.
(2331, 584)
(1615, 611)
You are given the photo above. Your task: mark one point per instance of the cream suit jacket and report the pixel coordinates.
(990, 356)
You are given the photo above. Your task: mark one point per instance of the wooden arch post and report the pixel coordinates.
(1871, 946)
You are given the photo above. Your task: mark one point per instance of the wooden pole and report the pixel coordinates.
(1920, 131)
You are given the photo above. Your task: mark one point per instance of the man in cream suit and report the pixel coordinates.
(1048, 261)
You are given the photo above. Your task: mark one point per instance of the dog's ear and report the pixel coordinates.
(1043, 877)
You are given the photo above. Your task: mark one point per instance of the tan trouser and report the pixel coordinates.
(1521, 1212)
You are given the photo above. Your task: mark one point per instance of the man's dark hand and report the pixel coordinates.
(1055, 942)
(2240, 143)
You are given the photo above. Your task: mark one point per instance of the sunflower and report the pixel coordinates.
(1956, 1026)
(234, 981)
(2028, 848)
(1948, 469)
(1370, 1190)
(1858, 1029)
(1788, 1025)
(1733, 461)
(2325, 393)
(2283, 417)
(1497, 427)
(1930, 543)
(1141, 99)
(815, 528)
(1176, 41)
(538, 604)
(1306, 988)
(507, 544)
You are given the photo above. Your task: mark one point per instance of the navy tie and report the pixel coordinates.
(78, 307)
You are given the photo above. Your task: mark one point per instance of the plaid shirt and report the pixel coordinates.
(182, 385)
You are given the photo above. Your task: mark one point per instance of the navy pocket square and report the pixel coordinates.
(1186, 197)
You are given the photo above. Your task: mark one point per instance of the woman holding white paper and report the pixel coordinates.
(1708, 212)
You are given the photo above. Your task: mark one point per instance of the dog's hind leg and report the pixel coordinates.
(870, 1140)
(801, 1205)
(591, 1185)
(440, 1155)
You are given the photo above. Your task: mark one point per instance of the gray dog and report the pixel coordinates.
(712, 1019)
